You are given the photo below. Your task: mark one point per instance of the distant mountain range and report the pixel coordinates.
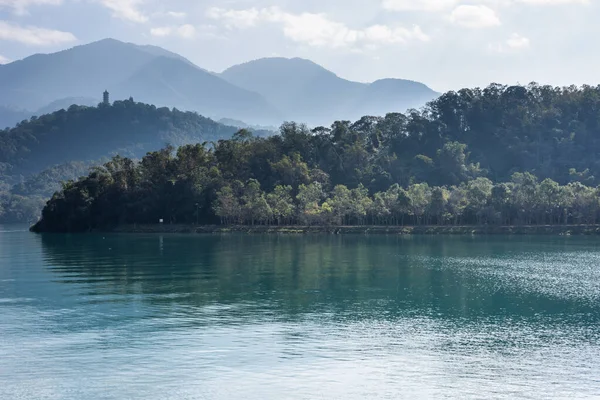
(265, 92)
(306, 92)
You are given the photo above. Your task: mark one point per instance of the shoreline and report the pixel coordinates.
(562, 230)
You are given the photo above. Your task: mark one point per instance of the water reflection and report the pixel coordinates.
(298, 317)
(342, 276)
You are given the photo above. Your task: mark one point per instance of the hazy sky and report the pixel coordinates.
(447, 44)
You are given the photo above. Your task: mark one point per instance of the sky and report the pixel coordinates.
(447, 44)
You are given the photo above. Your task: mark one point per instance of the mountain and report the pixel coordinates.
(9, 116)
(65, 103)
(307, 92)
(83, 71)
(149, 73)
(89, 133)
(268, 130)
(263, 92)
(166, 81)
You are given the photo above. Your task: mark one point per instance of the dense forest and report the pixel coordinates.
(89, 133)
(39, 153)
(499, 155)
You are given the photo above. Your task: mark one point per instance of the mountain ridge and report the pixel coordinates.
(303, 88)
(266, 91)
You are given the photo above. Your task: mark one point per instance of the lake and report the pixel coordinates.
(298, 317)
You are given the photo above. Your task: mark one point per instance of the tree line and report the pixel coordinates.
(39, 153)
(497, 155)
(191, 186)
(523, 200)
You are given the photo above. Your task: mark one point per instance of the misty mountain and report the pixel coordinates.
(10, 116)
(65, 103)
(83, 71)
(148, 73)
(170, 82)
(261, 92)
(307, 92)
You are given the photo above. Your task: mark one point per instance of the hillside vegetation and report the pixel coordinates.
(89, 133)
(41, 152)
(499, 155)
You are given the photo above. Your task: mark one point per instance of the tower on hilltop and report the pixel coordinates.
(106, 99)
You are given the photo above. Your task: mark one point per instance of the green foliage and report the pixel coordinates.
(90, 133)
(476, 156)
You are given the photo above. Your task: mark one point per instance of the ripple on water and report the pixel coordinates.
(297, 318)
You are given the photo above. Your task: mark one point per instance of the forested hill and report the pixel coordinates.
(41, 152)
(498, 155)
(82, 133)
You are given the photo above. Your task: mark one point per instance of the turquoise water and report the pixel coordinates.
(307, 317)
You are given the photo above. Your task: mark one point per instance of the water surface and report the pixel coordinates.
(298, 317)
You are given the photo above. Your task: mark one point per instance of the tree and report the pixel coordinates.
(341, 203)
(451, 160)
(291, 170)
(281, 203)
(420, 197)
(380, 209)
(439, 203)
(525, 195)
(457, 203)
(360, 204)
(309, 198)
(549, 201)
(501, 202)
(228, 205)
(255, 205)
(479, 193)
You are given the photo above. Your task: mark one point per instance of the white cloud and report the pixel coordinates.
(4, 60)
(186, 31)
(474, 17)
(317, 29)
(554, 2)
(20, 6)
(240, 19)
(518, 42)
(162, 31)
(32, 35)
(513, 44)
(441, 5)
(126, 9)
(418, 5)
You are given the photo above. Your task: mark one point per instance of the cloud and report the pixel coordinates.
(125, 9)
(32, 35)
(20, 6)
(162, 31)
(240, 19)
(518, 42)
(317, 29)
(474, 17)
(416, 5)
(513, 44)
(186, 31)
(441, 5)
(554, 2)
(4, 60)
